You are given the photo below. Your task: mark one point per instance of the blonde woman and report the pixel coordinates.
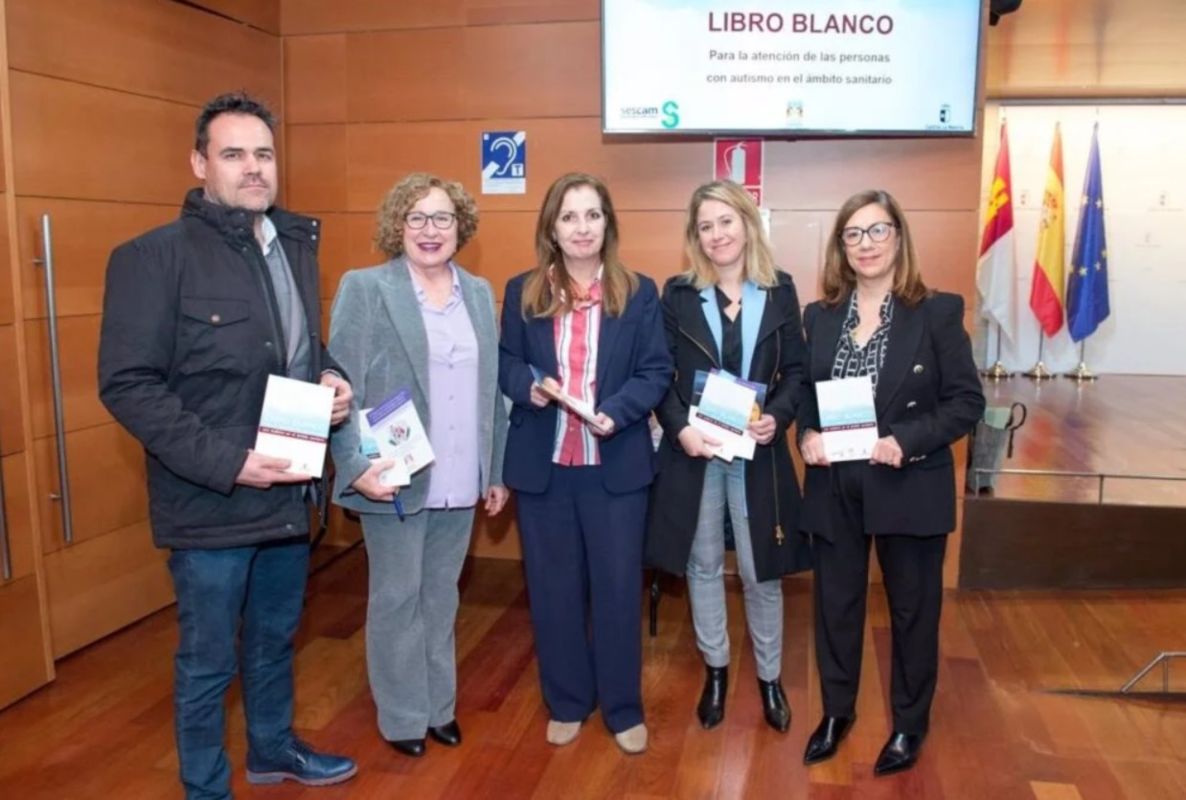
(732, 310)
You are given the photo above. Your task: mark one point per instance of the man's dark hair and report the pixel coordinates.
(229, 103)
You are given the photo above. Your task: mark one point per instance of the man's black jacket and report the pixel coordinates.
(190, 334)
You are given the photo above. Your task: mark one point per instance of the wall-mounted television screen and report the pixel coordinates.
(790, 67)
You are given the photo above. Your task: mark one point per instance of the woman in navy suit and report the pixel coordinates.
(877, 319)
(580, 331)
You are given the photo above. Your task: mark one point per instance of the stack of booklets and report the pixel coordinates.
(722, 407)
(394, 430)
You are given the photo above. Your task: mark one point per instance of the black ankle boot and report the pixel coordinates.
(774, 705)
(899, 753)
(711, 709)
(828, 735)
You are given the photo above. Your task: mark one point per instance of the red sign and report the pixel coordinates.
(740, 161)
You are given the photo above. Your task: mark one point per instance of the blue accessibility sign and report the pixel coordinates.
(504, 162)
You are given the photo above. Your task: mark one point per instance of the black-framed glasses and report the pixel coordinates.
(441, 220)
(878, 233)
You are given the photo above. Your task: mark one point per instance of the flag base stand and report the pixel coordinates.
(1081, 373)
(997, 372)
(1040, 372)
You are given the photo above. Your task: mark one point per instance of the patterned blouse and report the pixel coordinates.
(576, 335)
(853, 361)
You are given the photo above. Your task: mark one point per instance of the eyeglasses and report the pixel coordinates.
(878, 232)
(441, 220)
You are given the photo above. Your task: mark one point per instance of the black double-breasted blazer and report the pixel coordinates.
(928, 397)
(771, 488)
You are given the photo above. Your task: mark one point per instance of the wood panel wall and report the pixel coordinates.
(103, 98)
(25, 660)
(1089, 48)
(374, 89)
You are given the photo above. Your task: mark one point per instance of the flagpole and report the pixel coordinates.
(1082, 373)
(1040, 371)
(998, 370)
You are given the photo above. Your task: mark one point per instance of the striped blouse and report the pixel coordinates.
(576, 335)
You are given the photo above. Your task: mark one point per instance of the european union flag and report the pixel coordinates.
(1087, 285)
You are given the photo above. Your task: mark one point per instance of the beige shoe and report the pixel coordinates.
(633, 740)
(562, 733)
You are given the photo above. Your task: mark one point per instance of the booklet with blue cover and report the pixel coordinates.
(294, 423)
(848, 420)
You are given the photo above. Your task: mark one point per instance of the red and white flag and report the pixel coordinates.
(996, 271)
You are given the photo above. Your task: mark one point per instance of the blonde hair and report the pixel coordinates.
(839, 279)
(549, 290)
(758, 257)
(389, 228)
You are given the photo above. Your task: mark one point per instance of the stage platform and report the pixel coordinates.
(1102, 502)
(1117, 425)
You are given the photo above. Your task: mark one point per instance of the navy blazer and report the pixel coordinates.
(634, 370)
(928, 397)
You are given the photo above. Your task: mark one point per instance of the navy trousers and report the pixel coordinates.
(582, 552)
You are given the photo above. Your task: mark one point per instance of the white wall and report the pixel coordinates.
(1143, 165)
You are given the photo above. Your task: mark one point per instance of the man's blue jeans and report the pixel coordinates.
(235, 606)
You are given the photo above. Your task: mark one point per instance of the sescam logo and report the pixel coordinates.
(667, 114)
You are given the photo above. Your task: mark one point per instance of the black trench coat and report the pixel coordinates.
(772, 490)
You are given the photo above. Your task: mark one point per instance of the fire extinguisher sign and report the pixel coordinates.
(740, 161)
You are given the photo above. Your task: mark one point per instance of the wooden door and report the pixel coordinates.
(103, 98)
(25, 661)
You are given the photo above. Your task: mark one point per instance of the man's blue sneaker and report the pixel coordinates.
(301, 763)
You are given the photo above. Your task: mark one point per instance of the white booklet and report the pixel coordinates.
(848, 420)
(294, 423)
(723, 411)
(393, 430)
(577, 406)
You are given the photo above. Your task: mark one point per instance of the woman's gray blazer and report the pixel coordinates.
(377, 334)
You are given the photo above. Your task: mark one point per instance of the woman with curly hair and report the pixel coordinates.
(419, 323)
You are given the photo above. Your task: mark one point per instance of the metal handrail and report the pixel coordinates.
(1164, 660)
(55, 371)
(1063, 473)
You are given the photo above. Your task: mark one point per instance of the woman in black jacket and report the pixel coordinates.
(734, 311)
(877, 319)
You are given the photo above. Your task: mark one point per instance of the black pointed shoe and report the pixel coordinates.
(409, 747)
(448, 734)
(711, 708)
(774, 705)
(899, 753)
(826, 738)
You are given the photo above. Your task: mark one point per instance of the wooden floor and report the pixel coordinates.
(103, 729)
(1127, 424)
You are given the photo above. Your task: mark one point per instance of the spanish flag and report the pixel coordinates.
(1046, 291)
(996, 269)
